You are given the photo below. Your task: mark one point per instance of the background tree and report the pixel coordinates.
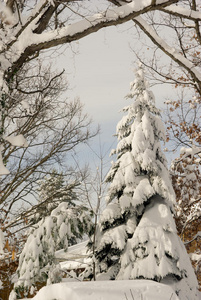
(137, 236)
(183, 125)
(52, 127)
(53, 190)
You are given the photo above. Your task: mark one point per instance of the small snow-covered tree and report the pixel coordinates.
(37, 260)
(137, 236)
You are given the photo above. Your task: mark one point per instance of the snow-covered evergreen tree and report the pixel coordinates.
(137, 237)
(37, 260)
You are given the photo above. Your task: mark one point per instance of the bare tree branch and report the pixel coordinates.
(171, 52)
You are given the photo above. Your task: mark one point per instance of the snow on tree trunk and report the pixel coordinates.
(137, 236)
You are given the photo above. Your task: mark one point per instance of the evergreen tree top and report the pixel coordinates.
(140, 170)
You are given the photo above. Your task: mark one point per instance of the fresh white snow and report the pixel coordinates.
(17, 140)
(107, 290)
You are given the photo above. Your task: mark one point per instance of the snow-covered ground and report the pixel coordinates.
(107, 290)
(77, 257)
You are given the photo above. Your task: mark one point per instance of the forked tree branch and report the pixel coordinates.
(70, 33)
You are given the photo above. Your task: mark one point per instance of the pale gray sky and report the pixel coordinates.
(100, 73)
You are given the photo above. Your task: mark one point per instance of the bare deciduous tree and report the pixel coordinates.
(53, 128)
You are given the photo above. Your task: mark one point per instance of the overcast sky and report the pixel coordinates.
(99, 69)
